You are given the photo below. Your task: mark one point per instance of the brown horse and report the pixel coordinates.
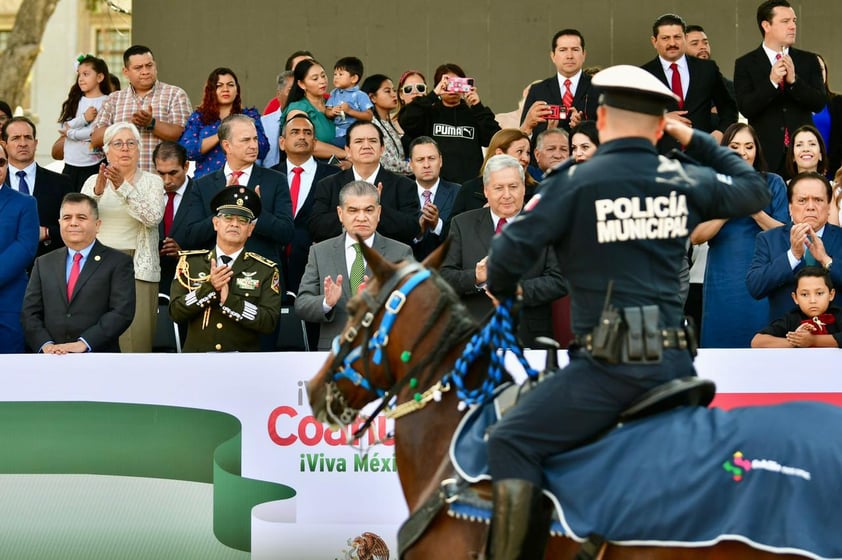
(429, 331)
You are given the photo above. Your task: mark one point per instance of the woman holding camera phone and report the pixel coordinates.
(453, 115)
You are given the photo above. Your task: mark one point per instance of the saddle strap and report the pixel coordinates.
(590, 548)
(418, 521)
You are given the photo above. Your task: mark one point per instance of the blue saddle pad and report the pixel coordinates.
(767, 476)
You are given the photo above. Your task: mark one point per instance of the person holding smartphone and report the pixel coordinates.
(454, 116)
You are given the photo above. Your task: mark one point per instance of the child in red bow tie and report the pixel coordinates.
(815, 323)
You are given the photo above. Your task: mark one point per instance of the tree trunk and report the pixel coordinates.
(23, 48)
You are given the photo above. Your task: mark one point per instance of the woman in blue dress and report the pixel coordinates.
(730, 316)
(200, 138)
(309, 85)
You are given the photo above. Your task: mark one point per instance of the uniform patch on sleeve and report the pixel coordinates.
(276, 282)
(533, 202)
(727, 179)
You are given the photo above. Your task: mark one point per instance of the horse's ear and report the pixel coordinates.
(380, 267)
(435, 258)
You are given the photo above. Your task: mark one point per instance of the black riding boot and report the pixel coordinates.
(520, 523)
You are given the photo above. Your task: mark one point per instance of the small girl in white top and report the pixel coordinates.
(78, 113)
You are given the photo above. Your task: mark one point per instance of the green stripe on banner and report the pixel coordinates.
(140, 440)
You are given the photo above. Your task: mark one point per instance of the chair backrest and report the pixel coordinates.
(167, 337)
(292, 332)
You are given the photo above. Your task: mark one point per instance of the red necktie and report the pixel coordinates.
(295, 188)
(169, 212)
(500, 223)
(567, 100)
(74, 275)
(676, 85)
(235, 178)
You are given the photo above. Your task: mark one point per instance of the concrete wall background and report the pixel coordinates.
(504, 45)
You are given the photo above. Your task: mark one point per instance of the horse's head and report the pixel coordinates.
(396, 329)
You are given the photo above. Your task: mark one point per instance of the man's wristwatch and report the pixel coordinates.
(828, 264)
(151, 125)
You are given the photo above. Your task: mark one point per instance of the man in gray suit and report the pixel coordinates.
(336, 268)
(80, 298)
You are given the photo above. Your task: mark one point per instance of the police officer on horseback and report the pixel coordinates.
(619, 224)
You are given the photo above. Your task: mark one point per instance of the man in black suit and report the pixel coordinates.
(80, 298)
(399, 204)
(778, 87)
(26, 176)
(567, 51)
(170, 159)
(471, 232)
(298, 141)
(697, 82)
(435, 196)
(274, 229)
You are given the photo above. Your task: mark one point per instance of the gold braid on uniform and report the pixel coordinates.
(182, 271)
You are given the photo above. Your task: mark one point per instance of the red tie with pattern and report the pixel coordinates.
(295, 188)
(169, 212)
(500, 223)
(567, 99)
(235, 178)
(676, 85)
(74, 275)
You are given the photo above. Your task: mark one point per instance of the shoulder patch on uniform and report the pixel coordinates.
(533, 202)
(727, 179)
(276, 282)
(260, 258)
(193, 252)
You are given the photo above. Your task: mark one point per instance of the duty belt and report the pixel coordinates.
(672, 338)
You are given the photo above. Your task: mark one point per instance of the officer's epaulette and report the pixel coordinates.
(261, 259)
(193, 252)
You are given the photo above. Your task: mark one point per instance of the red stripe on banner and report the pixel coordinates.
(732, 400)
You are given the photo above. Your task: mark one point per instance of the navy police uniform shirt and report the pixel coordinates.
(625, 215)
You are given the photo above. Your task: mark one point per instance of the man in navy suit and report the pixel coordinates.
(567, 51)
(170, 159)
(808, 241)
(274, 229)
(778, 87)
(697, 82)
(398, 201)
(82, 298)
(298, 141)
(26, 176)
(18, 243)
(435, 196)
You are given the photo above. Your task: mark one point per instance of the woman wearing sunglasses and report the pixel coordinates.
(453, 115)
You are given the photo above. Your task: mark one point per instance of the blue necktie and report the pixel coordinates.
(22, 185)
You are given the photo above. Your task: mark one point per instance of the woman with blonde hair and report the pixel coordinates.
(509, 141)
(131, 204)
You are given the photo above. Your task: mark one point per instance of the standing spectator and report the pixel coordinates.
(730, 315)
(411, 85)
(271, 122)
(221, 98)
(78, 113)
(570, 87)
(806, 152)
(171, 165)
(278, 102)
(131, 203)
(778, 87)
(336, 267)
(347, 104)
(18, 243)
(698, 45)
(82, 298)
(26, 176)
(697, 82)
(779, 253)
(435, 196)
(509, 141)
(464, 267)
(303, 172)
(274, 226)
(399, 203)
(384, 97)
(158, 110)
(5, 114)
(456, 120)
(229, 296)
(584, 140)
(307, 94)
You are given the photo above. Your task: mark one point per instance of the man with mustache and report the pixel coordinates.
(697, 82)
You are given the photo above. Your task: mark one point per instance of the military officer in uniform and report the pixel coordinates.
(228, 297)
(618, 224)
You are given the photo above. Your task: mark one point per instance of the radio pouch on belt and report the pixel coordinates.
(608, 333)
